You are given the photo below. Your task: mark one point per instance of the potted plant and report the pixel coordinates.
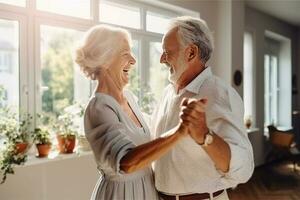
(16, 144)
(9, 158)
(78, 111)
(66, 133)
(248, 121)
(15, 131)
(42, 140)
(22, 139)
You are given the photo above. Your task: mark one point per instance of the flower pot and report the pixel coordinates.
(43, 149)
(66, 144)
(21, 147)
(248, 123)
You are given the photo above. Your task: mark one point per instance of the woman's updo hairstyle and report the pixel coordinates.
(98, 49)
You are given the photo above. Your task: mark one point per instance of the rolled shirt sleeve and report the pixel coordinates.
(225, 119)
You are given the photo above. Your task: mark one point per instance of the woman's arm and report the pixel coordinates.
(142, 155)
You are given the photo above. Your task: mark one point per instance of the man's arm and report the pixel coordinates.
(218, 150)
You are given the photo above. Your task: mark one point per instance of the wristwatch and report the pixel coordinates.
(208, 139)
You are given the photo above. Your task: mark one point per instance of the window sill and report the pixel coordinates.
(284, 128)
(54, 157)
(252, 130)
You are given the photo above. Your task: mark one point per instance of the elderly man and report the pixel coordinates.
(218, 155)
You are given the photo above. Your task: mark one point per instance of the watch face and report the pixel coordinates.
(210, 139)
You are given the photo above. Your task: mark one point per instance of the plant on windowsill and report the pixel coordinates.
(65, 133)
(9, 158)
(248, 121)
(15, 143)
(15, 131)
(78, 111)
(42, 140)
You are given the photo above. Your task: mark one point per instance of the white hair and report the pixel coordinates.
(194, 31)
(98, 48)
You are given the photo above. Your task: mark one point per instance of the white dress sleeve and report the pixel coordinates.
(106, 135)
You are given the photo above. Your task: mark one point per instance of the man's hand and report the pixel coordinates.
(193, 116)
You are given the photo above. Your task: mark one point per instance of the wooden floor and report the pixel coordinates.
(275, 181)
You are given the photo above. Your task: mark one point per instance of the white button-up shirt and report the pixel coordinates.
(187, 168)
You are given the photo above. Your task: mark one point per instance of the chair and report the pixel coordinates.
(282, 143)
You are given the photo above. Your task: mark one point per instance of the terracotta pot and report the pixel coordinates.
(21, 147)
(66, 144)
(43, 149)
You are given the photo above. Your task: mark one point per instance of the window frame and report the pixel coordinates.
(23, 56)
(272, 48)
(31, 19)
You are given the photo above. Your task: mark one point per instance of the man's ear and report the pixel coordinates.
(192, 52)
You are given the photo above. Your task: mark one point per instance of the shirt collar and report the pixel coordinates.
(195, 84)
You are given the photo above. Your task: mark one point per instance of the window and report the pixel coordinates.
(62, 84)
(38, 38)
(271, 90)
(248, 87)
(156, 22)
(6, 61)
(74, 8)
(14, 2)
(9, 62)
(134, 78)
(123, 15)
(277, 81)
(158, 72)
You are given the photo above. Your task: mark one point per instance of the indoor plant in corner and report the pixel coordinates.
(42, 140)
(65, 133)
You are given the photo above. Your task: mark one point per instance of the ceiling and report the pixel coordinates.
(286, 10)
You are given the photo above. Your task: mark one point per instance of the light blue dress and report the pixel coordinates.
(111, 134)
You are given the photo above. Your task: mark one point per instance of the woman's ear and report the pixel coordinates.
(192, 52)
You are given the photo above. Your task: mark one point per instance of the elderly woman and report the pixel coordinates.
(114, 125)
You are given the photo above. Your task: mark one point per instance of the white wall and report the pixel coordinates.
(70, 179)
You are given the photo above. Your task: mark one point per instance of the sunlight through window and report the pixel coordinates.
(75, 8)
(62, 83)
(157, 23)
(9, 63)
(118, 14)
(14, 2)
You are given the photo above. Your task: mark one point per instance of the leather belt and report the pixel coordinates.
(195, 196)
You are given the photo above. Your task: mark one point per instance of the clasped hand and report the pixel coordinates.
(193, 118)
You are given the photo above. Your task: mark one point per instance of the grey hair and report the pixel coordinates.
(194, 31)
(98, 48)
